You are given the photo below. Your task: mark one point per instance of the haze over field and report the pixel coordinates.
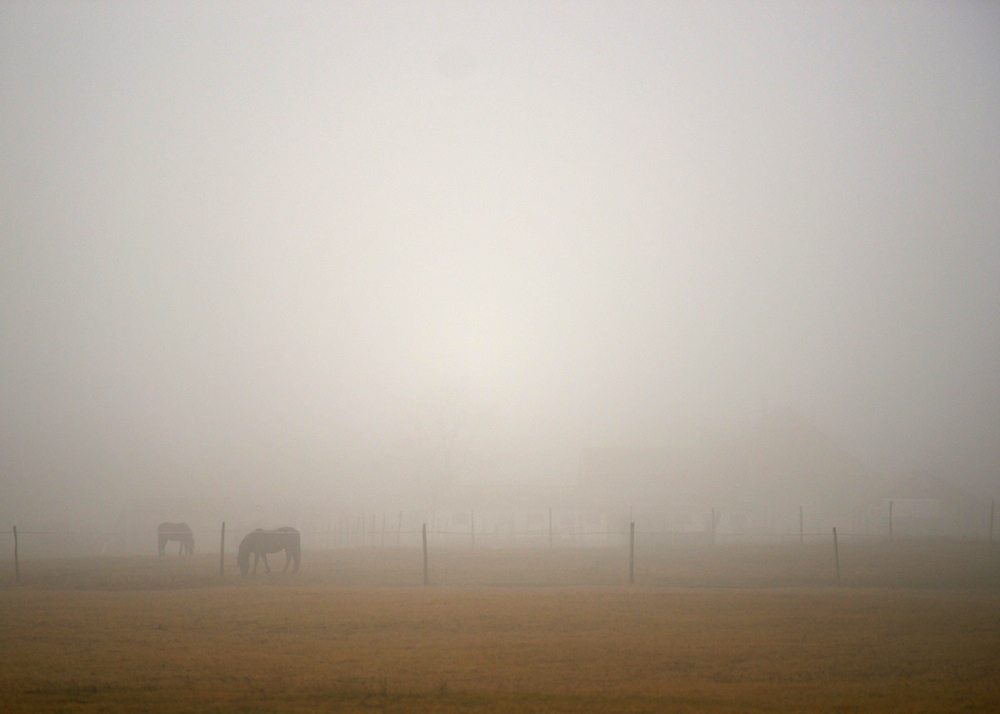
(294, 248)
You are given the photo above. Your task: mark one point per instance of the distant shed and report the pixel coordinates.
(925, 505)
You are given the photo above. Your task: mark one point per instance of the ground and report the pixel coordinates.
(912, 627)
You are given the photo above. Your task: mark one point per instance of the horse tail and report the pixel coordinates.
(296, 551)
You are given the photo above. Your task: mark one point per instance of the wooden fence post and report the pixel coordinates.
(631, 553)
(836, 554)
(222, 551)
(890, 521)
(425, 554)
(17, 565)
(993, 504)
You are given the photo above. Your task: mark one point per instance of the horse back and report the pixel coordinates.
(279, 539)
(178, 529)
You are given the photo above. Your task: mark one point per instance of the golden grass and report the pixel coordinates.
(499, 631)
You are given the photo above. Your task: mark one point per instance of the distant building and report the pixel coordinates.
(924, 505)
(752, 481)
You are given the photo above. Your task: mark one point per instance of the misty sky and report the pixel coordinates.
(242, 242)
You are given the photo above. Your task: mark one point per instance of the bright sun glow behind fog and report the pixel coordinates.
(466, 320)
(252, 238)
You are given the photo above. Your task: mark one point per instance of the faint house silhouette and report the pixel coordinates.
(926, 505)
(753, 480)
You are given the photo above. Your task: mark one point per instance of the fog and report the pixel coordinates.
(342, 254)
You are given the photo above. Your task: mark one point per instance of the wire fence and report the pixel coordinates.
(57, 543)
(538, 528)
(636, 556)
(380, 530)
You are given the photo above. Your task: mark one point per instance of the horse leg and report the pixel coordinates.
(288, 559)
(266, 566)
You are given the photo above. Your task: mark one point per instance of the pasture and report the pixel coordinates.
(914, 627)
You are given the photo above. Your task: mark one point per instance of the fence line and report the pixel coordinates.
(706, 541)
(543, 535)
(559, 525)
(524, 527)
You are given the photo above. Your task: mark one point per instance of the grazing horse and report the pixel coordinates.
(179, 532)
(261, 542)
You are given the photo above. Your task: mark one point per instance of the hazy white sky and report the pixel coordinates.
(241, 240)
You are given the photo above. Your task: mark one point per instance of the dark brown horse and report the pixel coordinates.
(261, 542)
(176, 531)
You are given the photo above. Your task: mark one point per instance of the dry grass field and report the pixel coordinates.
(914, 627)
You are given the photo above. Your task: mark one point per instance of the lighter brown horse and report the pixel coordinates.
(179, 532)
